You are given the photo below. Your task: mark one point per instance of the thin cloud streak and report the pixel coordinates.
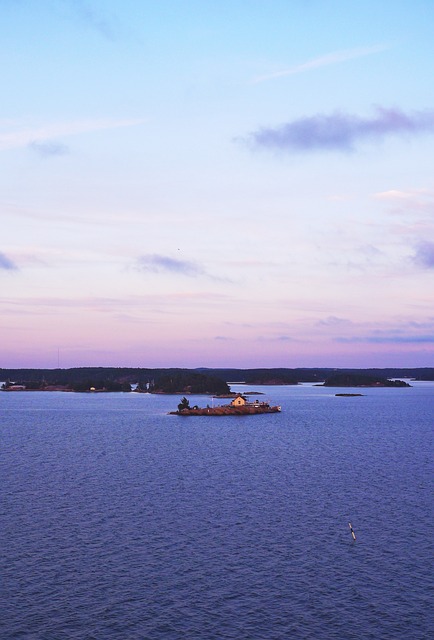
(164, 264)
(42, 135)
(334, 321)
(387, 339)
(424, 255)
(6, 264)
(146, 303)
(88, 16)
(49, 149)
(396, 194)
(340, 131)
(323, 61)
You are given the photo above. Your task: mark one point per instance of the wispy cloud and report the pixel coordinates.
(152, 303)
(323, 61)
(156, 263)
(397, 194)
(403, 331)
(341, 131)
(398, 339)
(418, 202)
(87, 14)
(282, 338)
(44, 134)
(334, 321)
(424, 255)
(49, 149)
(6, 264)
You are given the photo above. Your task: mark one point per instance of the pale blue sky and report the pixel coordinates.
(217, 183)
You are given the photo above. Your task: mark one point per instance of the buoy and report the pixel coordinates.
(352, 531)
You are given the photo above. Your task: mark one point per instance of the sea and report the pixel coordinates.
(119, 521)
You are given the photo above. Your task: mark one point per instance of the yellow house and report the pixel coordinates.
(239, 401)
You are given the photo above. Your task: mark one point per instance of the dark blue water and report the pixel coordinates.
(119, 521)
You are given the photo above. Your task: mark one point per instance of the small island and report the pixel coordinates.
(239, 406)
(361, 380)
(348, 395)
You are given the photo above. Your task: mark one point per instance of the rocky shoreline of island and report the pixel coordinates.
(240, 405)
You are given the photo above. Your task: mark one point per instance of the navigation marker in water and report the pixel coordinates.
(352, 531)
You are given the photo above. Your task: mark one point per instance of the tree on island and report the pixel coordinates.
(184, 381)
(184, 404)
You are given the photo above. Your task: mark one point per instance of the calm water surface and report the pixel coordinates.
(121, 522)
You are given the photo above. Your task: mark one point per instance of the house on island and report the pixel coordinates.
(239, 401)
(242, 401)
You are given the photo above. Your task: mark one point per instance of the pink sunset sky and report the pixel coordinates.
(200, 184)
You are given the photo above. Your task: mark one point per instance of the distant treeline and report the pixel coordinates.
(294, 376)
(201, 380)
(113, 379)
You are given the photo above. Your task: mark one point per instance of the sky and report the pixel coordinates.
(241, 183)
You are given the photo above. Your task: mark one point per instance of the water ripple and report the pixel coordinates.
(122, 522)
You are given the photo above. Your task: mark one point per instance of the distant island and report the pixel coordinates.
(361, 380)
(348, 395)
